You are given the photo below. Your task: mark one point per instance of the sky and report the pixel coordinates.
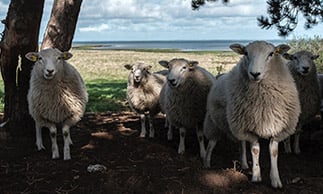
(118, 20)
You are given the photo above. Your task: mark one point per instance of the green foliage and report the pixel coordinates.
(106, 95)
(314, 45)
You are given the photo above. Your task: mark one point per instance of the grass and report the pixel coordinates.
(106, 95)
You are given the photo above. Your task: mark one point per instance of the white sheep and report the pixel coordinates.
(185, 97)
(143, 90)
(304, 72)
(259, 99)
(57, 96)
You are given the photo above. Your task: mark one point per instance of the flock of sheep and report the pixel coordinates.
(269, 94)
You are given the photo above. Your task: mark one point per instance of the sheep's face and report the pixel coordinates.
(258, 56)
(179, 71)
(303, 61)
(48, 61)
(138, 71)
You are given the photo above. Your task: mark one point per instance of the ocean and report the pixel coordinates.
(182, 45)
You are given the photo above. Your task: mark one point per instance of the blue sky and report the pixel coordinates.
(112, 20)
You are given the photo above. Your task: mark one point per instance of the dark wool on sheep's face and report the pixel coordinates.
(304, 72)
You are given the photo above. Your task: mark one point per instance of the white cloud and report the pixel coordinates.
(99, 28)
(167, 19)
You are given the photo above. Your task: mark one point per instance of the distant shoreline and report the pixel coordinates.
(172, 45)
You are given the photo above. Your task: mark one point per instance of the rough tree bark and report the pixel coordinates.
(19, 37)
(61, 26)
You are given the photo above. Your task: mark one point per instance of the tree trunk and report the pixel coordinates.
(19, 37)
(61, 26)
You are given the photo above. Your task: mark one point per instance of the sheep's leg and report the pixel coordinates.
(39, 138)
(200, 138)
(287, 146)
(170, 129)
(67, 142)
(274, 174)
(151, 126)
(208, 154)
(244, 163)
(181, 147)
(166, 121)
(297, 150)
(255, 151)
(143, 125)
(53, 137)
(170, 132)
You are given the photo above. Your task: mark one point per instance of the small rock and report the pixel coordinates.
(96, 168)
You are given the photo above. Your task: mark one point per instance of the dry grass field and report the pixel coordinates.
(108, 64)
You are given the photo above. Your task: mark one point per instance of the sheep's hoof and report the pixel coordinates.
(256, 179)
(276, 184)
(40, 147)
(55, 155)
(67, 157)
(142, 135)
(207, 164)
(297, 151)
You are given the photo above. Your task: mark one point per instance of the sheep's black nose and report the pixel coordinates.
(255, 74)
(305, 69)
(50, 71)
(172, 81)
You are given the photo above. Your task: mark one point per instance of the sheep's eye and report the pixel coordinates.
(40, 58)
(184, 67)
(59, 58)
(271, 54)
(246, 53)
(294, 57)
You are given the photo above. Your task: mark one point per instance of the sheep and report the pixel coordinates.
(303, 70)
(320, 78)
(184, 97)
(143, 89)
(57, 96)
(259, 99)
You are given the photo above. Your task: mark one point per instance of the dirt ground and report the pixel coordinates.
(151, 165)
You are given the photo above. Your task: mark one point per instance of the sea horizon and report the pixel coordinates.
(182, 45)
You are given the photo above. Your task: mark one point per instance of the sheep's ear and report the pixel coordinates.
(192, 64)
(32, 56)
(164, 63)
(288, 56)
(66, 55)
(128, 66)
(238, 48)
(282, 48)
(315, 57)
